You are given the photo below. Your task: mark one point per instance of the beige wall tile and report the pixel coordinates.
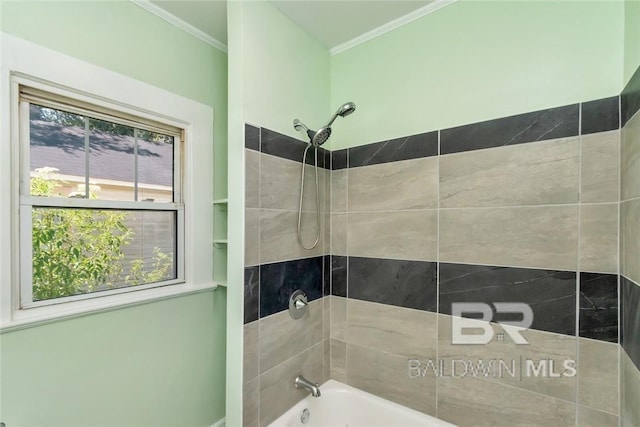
(326, 229)
(277, 392)
(408, 184)
(598, 375)
(251, 358)
(630, 392)
(400, 234)
(280, 184)
(600, 174)
(338, 351)
(251, 403)
(326, 317)
(338, 318)
(588, 417)
(252, 179)
(523, 174)
(542, 237)
(630, 239)
(339, 234)
(339, 190)
(542, 346)
(251, 237)
(326, 362)
(325, 190)
(386, 375)
(285, 337)
(630, 159)
(479, 403)
(398, 330)
(599, 238)
(279, 235)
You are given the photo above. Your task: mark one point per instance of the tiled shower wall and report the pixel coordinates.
(277, 347)
(630, 254)
(524, 209)
(520, 209)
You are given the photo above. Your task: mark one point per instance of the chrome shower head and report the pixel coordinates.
(344, 110)
(321, 136)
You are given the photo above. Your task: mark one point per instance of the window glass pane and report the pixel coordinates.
(111, 161)
(79, 251)
(155, 167)
(57, 155)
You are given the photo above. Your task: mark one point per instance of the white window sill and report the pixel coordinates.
(23, 319)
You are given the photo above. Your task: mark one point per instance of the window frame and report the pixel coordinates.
(60, 74)
(28, 202)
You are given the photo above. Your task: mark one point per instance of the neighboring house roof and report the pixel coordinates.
(110, 156)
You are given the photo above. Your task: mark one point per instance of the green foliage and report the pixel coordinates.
(161, 268)
(81, 250)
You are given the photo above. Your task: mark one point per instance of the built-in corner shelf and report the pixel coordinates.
(220, 241)
(221, 204)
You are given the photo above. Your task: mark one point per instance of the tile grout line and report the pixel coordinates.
(438, 272)
(330, 257)
(346, 303)
(619, 248)
(578, 266)
(259, 269)
(433, 209)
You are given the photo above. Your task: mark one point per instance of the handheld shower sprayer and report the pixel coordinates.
(316, 139)
(344, 110)
(319, 137)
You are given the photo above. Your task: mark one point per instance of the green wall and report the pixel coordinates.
(277, 73)
(478, 60)
(157, 364)
(631, 39)
(285, 73)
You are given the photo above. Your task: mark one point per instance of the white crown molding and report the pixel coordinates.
(174, 20)
(392, 25)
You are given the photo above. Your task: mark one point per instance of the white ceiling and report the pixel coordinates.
(208, 16)
(334, 23)
(337, 24)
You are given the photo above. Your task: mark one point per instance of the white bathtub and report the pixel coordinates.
(344, 406)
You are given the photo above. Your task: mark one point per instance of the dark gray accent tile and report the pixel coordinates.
(601, 115)
(630, 319)
(630, 98)
(339, 275)
(326, 161)
(251, 137)
(339, 159)
(326, 275)
(599, 306)
(410, 284)
(251, 293)
(279, 280)
(560, 122)
(286, 147)
(550, 294)
(322, 158)
(405, 148)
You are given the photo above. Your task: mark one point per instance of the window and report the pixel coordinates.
(84, 150)
(101, 207)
